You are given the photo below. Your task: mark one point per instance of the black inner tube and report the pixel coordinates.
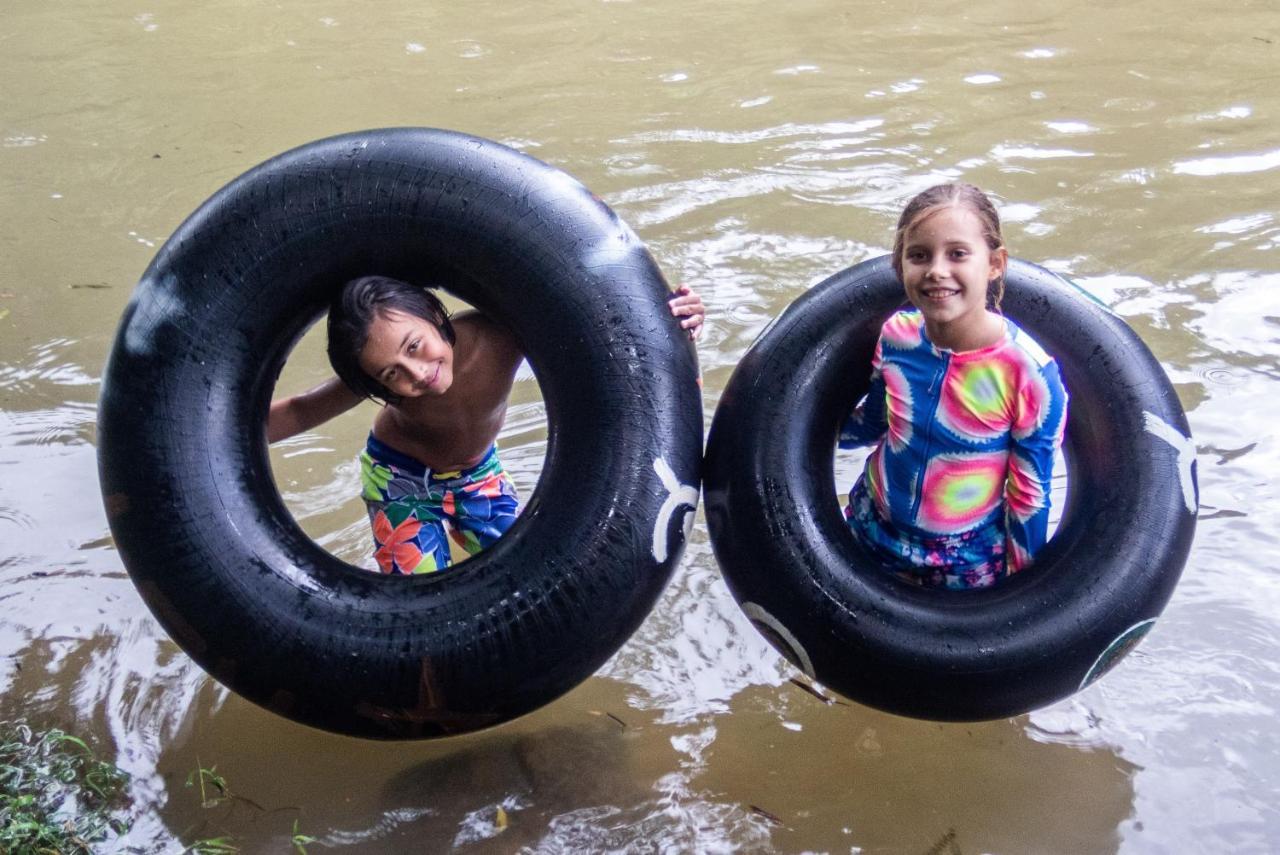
(183, 458)
(790, 559)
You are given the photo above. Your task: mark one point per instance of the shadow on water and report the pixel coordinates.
(508, 785)
(837, 776)
(575, 778)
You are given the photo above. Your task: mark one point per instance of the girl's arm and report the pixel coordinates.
(869, 420)
(297, 413)
(1040, 415)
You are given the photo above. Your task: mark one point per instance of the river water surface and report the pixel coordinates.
(756, 147)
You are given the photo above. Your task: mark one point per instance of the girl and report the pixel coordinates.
(965, 408)
(430, 458)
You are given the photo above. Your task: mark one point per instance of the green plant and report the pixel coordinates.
(214, 791)
(55, 795)
(209, 776)
(300, 840)
(212, 846)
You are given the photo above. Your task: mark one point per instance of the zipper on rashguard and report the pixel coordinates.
(934, 386)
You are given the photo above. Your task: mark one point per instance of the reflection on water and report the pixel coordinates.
(757, 148)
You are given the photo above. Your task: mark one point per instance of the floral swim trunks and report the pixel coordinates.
(410, 507)
(971, 559)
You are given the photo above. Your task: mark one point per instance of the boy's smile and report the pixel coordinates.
(407, 355)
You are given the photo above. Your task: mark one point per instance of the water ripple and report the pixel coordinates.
(46, 365)
(1004, 152)
(703, 135)
(1240, 164)
(696, 650)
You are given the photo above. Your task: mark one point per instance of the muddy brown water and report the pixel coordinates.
(756, 147)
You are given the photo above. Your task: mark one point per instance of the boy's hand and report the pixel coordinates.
(687, 305)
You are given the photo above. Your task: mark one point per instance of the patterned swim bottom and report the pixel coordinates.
(410, 507)
(970, 559)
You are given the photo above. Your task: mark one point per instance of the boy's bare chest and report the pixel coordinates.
(453, 430)
(470, 404)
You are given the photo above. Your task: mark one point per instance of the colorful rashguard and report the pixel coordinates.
(409, 506)
(956, 492)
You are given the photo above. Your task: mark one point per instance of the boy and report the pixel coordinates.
(431, 454)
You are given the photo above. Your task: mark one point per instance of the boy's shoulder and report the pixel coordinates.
(470, 318)
(481, 327)
(485, 340)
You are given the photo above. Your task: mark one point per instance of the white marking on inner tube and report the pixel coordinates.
(759, 615)
(1186, 449)
(1114, 651)
(677, 494)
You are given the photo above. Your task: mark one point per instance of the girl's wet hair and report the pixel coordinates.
(353, 311)
(958, 195)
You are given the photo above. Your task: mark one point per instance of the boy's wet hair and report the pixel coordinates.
(957, 195)
(353, 311)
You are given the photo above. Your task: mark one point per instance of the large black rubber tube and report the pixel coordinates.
(187, 482)
(793, 565)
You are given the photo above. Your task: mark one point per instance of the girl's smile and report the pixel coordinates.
(946, 268)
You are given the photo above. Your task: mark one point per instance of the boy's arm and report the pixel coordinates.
(686, 304)
(297, 413)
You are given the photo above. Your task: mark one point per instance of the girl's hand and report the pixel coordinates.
(687, 305)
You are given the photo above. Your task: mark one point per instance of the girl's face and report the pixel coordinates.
(407, 355)
(946, 268)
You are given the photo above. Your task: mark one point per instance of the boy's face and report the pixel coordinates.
(407, 355)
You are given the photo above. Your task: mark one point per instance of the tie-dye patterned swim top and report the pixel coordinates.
(966, 439)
